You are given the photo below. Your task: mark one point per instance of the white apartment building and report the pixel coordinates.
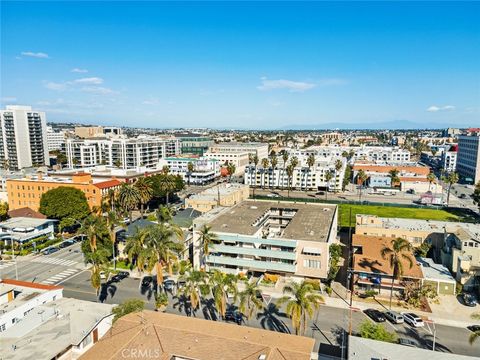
(313, 178)
(55, 139)
(239, 159)
(390, 154)
(449, 161)
(253, 148)
(204, 170)
(23, 137)
(468, 157)
(120, 152)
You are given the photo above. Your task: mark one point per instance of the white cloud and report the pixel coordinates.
(38, 55)
(89, 81)
(8, 99)
(292, 86)
(50, 85)
(78, 70)
(150, 102)
(98, 90)
(435, 108)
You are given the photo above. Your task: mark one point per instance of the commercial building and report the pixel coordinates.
(28, 191)
(227, 194)
(191, 143)
(23, 229)
(375, 173)
(253, 148)
(23, 137)
(204, 170)
(55, 139)
(257, 237)
(227, 156)
(174, 337)
(304, 176)
(131, 153)
(87, 132)
(37, 322)
(468, 157)
(449, 159)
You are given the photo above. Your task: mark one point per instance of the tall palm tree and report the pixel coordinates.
(196, 286)
(113, 220)
(393, 175)
(450, 179)
(400, 250)
(145, 191)
(190, 168)
(431, 178)
(135, 248)
(162, 245)
(128, 197)
(310, 163)
(255, 162)
(290, 170)
(301, 301)
(111, 198)
(249, 302)
(164, 214)
(361, 178)
(207, 237)
(328, 178)
(231, 168)
(274, 163)
(285, 164)
(265, 163)
(338, 166)
(166, 184)
(222, 285)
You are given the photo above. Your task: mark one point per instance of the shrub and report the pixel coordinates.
(369, 330)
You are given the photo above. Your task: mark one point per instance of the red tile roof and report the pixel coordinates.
(30, 284)
(108, 184)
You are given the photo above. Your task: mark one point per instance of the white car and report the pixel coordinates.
(413, 319)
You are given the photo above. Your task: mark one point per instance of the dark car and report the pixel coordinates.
(474, 328)
(50, 250)
(66, 243)
(320, 193)
(469, 299)
(234, 316)
(120, 276)
(147, 281)
(375, 315)
(168, 285)
(407, 342)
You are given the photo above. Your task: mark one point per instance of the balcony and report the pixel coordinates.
(251, 264)
(284, 255)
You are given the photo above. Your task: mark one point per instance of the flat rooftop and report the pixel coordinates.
(434, 271)
(24, 223)
(311, 222)
(222, 189)
(181, 337)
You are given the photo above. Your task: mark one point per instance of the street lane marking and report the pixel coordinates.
(71, 277)
(5, 265)
(55, 261)
(58, 277)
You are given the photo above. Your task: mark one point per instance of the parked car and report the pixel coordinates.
(375, 315)
(66, 243)
(394, 317)
(103, 275)
(50, 250)
(320, 193)
(271, 195)
(469, 299)
(169, 284)
(473, 328)
(120, 276)
(413, 319)
(235, 316)
(147, 281)
(407, 342)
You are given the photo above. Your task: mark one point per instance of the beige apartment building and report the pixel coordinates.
(227, 195)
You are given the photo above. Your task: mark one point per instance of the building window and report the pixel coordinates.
(2, 327)
(313, 264)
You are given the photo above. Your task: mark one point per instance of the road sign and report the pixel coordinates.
(266, 298)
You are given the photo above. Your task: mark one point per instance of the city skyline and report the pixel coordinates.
(232, 65)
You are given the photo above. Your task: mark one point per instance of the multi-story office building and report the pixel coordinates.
(27, 192)
(195, 144)
(86, 132)
(257, 237)
(468, 157)
(449, 160)
(304, 177)
(253, 148)
(23, 137)
(124, 153)
(225, 155)
(55, 139)
(204, 170)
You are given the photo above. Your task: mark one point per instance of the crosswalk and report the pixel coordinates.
(59, 277)
(4, 265)
(55, 261)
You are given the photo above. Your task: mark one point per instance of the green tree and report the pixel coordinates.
(290, 170)
(145, 191)
(196, 286)
(135, 248)
(3, 211)
(207, 237)
(265, 164)
(301, 301)
(231, 168)
(249, 301)
(370, 330)
(328, 178)
(476, 195)
(274, 163)
(394, 178)
(414, 295)
(399, 250)
(167, 184)
(127, 307)
(222, 285)
(190, 168)
(64, 203)
(338, 167)
(113, 219)
(361, 178)
(128, 197)
(431, 178)
(335, 252)
(285, 163)
(164, 214)
(310, 163)
(422, 250)
(450, 180)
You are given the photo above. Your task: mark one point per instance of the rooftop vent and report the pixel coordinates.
(253, 207)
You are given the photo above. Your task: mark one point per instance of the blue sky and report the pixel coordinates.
(243, 65)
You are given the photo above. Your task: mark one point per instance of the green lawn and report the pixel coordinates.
(398, 212)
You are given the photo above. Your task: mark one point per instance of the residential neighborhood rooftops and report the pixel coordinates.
(433, 271)
(174, 336)
(305, 221)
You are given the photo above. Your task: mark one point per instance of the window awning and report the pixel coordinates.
(311, 250)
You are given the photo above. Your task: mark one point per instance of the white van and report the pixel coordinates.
(394, 317)
(413, 319)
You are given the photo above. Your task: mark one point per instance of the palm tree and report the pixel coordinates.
(145, 191)
(231, 168)
(135, 249)
(164, 214)
(161, 245)
(111, 198)
(328, 178)
(222, 285)
(305, 300)
(113, 220)
(207, 237)
(166, 184)
(265, 164)
(190, 168)
(393, 175)
(310, 163)
(196, 286)
(431, 178)
(285, 159)
(255, 162)
(361, 178)
(290, 170)
(128, 197)
(399, 251)
(474, 336)
(249, 302)
(274, 163)
(338, 166)
(450, 179)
